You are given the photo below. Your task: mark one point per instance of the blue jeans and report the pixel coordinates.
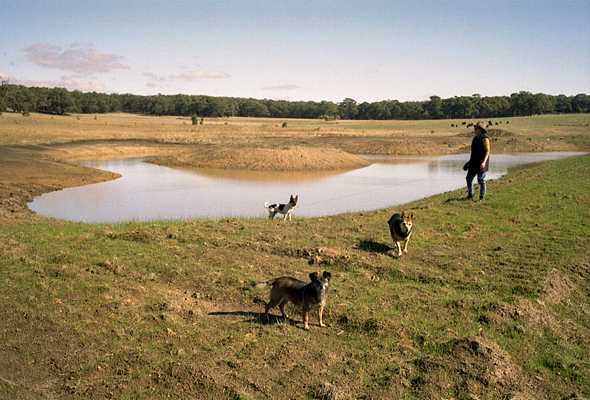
(481, 180)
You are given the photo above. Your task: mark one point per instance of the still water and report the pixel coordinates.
(150, 192)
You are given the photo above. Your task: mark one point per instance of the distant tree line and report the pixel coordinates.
(60, 101)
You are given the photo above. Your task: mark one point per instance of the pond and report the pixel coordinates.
(151, 192)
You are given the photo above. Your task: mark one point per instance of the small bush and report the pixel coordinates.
(284, 124)
(195, 119)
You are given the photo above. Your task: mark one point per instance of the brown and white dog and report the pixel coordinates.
(303, 295)
(401, 229)
(285, 209)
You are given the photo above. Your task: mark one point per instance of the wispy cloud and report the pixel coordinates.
(154, 77)
(199, 74)
(78, 58)
(156, 80)
(278, 88)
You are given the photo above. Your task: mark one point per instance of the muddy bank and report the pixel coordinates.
(223, 157)
(264, 159)
(27, 172)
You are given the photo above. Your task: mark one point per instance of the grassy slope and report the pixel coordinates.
(492, 300)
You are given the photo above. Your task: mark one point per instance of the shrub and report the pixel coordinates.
(284, 124)
(195, 119)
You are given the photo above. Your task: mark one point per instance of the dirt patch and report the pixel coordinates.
(537, 315)
(183, 303)
(478, 364)
(318, 255)
(557, 288)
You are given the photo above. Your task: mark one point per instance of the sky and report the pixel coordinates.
(299, 50)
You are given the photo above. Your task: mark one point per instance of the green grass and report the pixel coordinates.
(492, 300)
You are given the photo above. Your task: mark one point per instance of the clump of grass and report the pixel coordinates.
(369, 326)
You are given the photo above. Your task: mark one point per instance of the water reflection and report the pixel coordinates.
(147, 191)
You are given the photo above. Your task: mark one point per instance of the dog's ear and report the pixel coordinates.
(412, 216)
(314, 277)
(403, 214)
(327, 275)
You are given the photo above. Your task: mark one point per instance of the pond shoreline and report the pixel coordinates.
(148, 192)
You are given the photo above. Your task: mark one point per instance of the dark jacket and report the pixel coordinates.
(478, 153)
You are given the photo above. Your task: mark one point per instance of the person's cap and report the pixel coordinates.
(479, 126)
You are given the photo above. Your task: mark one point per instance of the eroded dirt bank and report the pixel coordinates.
(26, 172)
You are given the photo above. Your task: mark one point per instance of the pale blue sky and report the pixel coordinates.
(299, 50)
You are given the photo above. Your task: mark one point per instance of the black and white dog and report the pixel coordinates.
(285, 209)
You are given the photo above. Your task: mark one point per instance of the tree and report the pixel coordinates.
(327, 109)
(581, 103)
(541, 104)
(563, 104)
(435, 107)
(59, 101)
(19, 98)
(348, 109)
(253, 108)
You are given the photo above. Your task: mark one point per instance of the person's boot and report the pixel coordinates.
(482, 191)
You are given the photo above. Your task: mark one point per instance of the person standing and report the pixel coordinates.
(479, 161)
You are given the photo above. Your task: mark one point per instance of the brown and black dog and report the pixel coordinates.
(401, 227)
(304, 295)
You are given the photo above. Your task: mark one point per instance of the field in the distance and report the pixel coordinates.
(548, 132)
